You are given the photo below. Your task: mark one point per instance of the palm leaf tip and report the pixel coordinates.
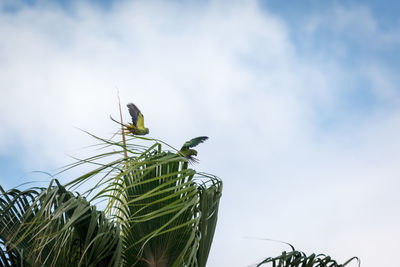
(194, 142)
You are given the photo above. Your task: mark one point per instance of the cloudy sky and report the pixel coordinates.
(301, 102)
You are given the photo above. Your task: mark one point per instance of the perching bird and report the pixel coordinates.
(187, 151)
(137, 125)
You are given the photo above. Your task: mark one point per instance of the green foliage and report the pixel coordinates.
(159, 212)
(41, 226)
(296, 258)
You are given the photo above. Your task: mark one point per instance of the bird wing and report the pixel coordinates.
(194, 142)
(134, 111)
(140, 121)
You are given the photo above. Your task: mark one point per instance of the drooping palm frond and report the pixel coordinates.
(296, 258)
(53, 227)
(210, 194)
(12, 212)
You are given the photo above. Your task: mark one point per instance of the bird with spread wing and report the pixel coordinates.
(137, 125)
(187, 150)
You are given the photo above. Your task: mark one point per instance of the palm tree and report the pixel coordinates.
(158, 212)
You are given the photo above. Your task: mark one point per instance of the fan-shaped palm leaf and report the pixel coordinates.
(166, 210)
(53, 227)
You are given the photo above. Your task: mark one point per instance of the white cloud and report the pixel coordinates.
(229, 71)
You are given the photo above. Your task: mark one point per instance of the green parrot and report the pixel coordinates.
(187, 151)
(137, 125)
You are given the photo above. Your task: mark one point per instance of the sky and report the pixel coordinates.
(301, 102)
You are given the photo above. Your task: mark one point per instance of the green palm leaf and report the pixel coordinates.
(53, 227)
(297, 258)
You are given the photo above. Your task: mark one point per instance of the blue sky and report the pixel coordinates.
(301, 103)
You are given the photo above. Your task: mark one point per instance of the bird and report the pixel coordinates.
(187, 151)
(137, 125)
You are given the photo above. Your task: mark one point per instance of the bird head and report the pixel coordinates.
(192, 152)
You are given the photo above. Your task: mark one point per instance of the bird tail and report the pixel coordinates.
(126, 126)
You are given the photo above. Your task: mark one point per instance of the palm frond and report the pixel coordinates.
(53, 227)
(210, 194)
(297, 258)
